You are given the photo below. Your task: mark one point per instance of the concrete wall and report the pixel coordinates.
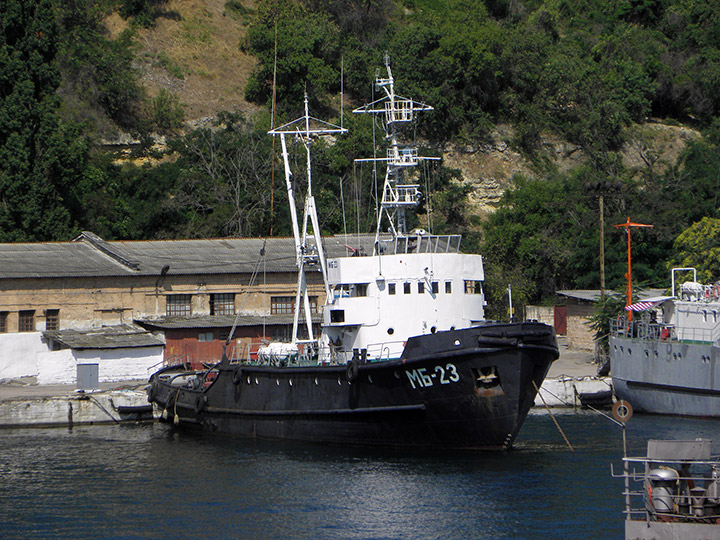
(26, 355)
(18, 354)
(543, 314)
(123, 364)
(579, 333)
(85, 303)
(136, 363)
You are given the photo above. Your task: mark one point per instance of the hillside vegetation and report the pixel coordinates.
(571, 89)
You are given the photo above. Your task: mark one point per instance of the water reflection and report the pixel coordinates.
(148, 481)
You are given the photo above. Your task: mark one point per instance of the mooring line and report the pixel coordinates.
(553, 416)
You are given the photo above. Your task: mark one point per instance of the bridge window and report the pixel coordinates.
(391, 288)
(473, 286)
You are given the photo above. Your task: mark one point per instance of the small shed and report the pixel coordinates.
(121, 352)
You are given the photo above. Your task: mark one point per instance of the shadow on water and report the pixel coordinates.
(150, 481)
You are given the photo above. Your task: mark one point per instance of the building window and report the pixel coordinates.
(435, 287)
(52, 319)
(406, 288)
(222, 304)
(361, 289)
(421, 287)
(473, 287)
(391, 288)
(3, 321)
(27, 321)
(284, 305)
(179, 305)
(448, 287)
(205, 336)
(281, 305)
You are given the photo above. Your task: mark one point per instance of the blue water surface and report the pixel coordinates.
(148, 481)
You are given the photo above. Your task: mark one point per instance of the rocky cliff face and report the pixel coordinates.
(651, 149)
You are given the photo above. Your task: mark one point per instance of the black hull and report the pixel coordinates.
(467, 388)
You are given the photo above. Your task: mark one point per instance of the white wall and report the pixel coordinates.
(123, 364)
(56, 367)
(18, 354)
(26, 355)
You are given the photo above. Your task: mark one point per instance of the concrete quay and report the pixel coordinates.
(572, 374)
(23, 403)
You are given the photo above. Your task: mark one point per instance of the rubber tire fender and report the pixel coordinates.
(237, 376)
(200, 403)
(351, 373)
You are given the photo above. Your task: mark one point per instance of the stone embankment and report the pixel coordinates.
(32, 405)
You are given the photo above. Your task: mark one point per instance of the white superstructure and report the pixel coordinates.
(414, 283)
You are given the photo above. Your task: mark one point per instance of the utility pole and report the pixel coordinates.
(602, 247)
(627, 225)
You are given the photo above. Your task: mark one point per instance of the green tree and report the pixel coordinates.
(606, 310)
(308, 55)
(224, 186)
(698, 246)
(98, 77)
(42, 160)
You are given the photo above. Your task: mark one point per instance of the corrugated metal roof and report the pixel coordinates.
(91, 256)
(593, 295)
(221, 321)
(107, 337)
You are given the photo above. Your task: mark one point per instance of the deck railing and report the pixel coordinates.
(652, 331)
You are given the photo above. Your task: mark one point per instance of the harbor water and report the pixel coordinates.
(148, 481)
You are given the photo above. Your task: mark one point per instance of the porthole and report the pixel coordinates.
(457, 342)
(249, 380)
(433, 330)
(390, 331)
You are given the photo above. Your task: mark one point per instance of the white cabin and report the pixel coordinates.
(376, 303)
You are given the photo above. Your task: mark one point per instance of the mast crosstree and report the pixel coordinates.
(307, 253)
(396, 112)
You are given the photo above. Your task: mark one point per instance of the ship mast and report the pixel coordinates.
(397, 195)
(307, 253)
(627, 226)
